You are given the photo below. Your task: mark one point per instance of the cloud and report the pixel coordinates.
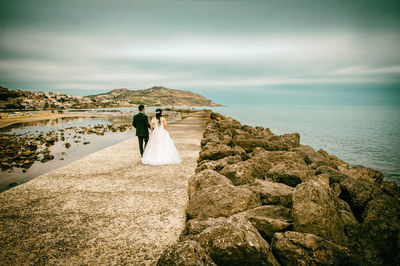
(198, 44)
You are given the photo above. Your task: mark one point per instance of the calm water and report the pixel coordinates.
(365, 135)
(64, 156)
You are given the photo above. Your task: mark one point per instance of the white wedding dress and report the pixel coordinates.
(160, 148)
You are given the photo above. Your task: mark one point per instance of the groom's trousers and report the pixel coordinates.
(141, 139)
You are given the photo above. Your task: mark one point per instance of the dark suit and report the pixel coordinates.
(141, 123)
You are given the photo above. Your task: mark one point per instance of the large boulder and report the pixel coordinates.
(295, 248)
(235, 242)
(315, 210)
(241, 173)
(217, 165)
(377, 242)
(204, 180)
(210, 137)
(335, 176)
(213, 195)
(357, 192)
(186, 252)
(215, 152)
(362, 172)
(283, 167)
(273, 193)
(228, 123)
(318, 158)
(382, 207)
(391, 188)
(269, 219)
(345, 212)
(237, 150)
(273, 143)
(196, 226)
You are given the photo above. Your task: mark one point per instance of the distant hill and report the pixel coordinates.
(155, 96)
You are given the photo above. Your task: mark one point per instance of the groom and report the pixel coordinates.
(141, 123)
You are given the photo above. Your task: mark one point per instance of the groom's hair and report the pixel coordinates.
(141, 107)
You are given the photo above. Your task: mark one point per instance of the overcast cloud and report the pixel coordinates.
(198, 45)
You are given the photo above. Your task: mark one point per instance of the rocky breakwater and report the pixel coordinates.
(262, 199)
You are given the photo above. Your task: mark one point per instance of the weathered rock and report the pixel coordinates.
(382, 207)
(47, 157)
(336, 189)
(335, 176)
(236, 242)
(237, 150)
(204, 180)
(228, 123)
(186, 252)
(273, 143)
(273, 193)
(221, 200)
(345, 212)
(377, 242)
(315, 210)
(269, 219)
(316, 159)
(195, 226)
(241, 173)
(359, 171)
(217, 165)
(391, 188)
(227, 140)
(214, 153)
(279, 166)
(213, 195)
(284, 167)
(295, 248)
(238, 134)
(357, 192)
(212, 137)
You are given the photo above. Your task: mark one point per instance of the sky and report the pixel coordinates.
(233, 51)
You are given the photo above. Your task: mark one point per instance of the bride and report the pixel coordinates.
(160, 149)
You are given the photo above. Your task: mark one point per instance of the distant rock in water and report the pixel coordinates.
(262, 199)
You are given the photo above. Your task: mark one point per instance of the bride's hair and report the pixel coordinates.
(159, 115)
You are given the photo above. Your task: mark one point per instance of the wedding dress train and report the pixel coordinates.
(160, 148)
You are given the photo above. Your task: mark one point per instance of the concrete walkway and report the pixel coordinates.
(106, 208)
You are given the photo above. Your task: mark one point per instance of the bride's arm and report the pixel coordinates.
(164, 123)
(151, 125)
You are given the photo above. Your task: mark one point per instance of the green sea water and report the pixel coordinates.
(359, 134)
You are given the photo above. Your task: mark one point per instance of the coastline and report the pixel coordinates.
(7, 121)
(106, 208)
(264, 199)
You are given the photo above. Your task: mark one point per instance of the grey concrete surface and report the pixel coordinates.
(106, 208)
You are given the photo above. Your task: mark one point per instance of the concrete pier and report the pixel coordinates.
(106, 208)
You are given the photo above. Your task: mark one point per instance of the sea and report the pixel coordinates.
(358, 134)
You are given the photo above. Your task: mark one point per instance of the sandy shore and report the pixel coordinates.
(106, 208)
(6, 121)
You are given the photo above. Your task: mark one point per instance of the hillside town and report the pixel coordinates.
(39, 100)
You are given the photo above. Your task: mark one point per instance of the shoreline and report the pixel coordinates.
(264, 199)
(37, 153)
(106, 208)
(48, 115)
(8, 121)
